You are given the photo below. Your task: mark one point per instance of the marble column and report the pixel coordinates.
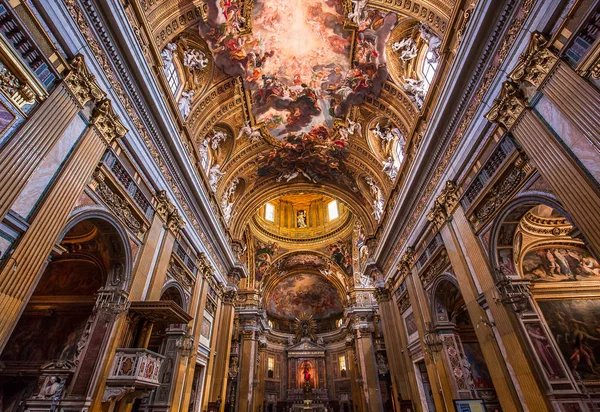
(365, 352)
(390, 321)
(259, 390)
(439, 376)
(200, 293)
(220, 367)
(510, 370)
(559, 159)
(24, 151)
(248, 353)
(31, 252)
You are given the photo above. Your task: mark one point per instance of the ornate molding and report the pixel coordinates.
(507, 108)
(444, 205)
(107, 122)
(382, 295)
(536, 63)
(435, 268)
(168, 212)
(116, 203)
(82, 83)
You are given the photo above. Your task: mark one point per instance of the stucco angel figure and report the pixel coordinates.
(407, 48)
(216, 139)
(390, 168)
(195, 59)
(415, 90)
(185, 103)
(433, 41)
(214, 176)
(167, 55)
(357, 9)
(252, 133)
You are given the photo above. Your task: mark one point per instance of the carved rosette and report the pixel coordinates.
(536, 63)
(507, 108)
(107, 122)
(82, 83)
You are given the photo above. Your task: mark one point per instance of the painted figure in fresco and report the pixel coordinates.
(543, 349)
(560, 264)
(582, 351)
(341, 254)
(264, 257)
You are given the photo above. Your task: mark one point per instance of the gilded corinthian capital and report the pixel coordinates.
(536, 63)
(508, 106)
(82, 83)
(107, 122)
(444, 205)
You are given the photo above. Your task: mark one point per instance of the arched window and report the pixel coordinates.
(430, 64)
(172, 78)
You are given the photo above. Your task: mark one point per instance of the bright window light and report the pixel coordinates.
(271, 364)
(342, 360)
(270, 212)
(332, 208)
(172, 78)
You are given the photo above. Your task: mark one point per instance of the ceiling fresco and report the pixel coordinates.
(304, 293)
(297, 61)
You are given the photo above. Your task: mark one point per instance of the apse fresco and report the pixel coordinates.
(295, 61)
(304, 293)
(560, 264)
(479, 370)
(576, 330)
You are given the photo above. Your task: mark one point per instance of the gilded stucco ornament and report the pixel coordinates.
(508, 106)
(82, 82)
(382, 295)
(168, 212)
(107, 122)
(536, 63)
(444, 205)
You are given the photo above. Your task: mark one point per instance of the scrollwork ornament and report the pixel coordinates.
(508, 106)
(382, 295)
(107, 122)
(229, 297)
(82, 83)
(536, 63)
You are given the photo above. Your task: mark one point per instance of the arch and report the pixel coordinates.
(173, 291)
(521, 204)
(124, 263)
(438, 287)
(254, 198)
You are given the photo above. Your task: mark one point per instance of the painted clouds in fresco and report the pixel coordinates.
(296, 61)
(309, 293)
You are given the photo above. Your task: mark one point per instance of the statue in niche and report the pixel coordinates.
(51, 388)
(185, 103)
(301, 219)
(306, 372)
(215, 176)
(407, 48)
(195, 59)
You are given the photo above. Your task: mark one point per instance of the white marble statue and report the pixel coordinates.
(433, 42)
(216, 139)
(415, 90)
(407, 48)
(214, 176)
(301, 219)
(252, 133)
(167, 55)
(227, 202)
(195, 59)
(390, 168)
(357, 10)
(185, 103)
(378, 200)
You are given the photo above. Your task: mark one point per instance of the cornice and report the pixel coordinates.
(455, 126)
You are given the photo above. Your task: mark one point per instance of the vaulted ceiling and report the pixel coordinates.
(305, 98)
